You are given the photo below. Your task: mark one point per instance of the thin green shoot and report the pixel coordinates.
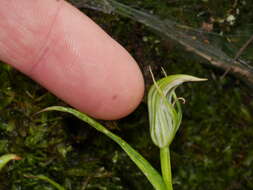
(46, 179)
(7, 158)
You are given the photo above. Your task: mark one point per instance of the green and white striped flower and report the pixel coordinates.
(165, 113)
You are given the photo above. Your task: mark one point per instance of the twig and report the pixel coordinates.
(238, 54)
(241, 50)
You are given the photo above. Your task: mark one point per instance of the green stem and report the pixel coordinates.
(166, 167)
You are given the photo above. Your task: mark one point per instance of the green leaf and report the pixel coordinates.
(152, 175)
(165, 113)
(6, 158)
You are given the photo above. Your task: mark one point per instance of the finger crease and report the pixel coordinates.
(45, 48)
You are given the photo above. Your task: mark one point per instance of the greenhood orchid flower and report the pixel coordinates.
(165, 113)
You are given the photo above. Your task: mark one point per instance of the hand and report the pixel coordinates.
(63, 50)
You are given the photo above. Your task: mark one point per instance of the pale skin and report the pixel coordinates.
(66, 52)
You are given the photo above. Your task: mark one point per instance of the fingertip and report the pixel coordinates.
(67, 53)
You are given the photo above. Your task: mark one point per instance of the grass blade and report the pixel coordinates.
(152, 175)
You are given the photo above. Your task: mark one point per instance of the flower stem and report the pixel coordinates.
(166, 167)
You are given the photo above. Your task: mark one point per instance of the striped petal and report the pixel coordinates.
(165, 113)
